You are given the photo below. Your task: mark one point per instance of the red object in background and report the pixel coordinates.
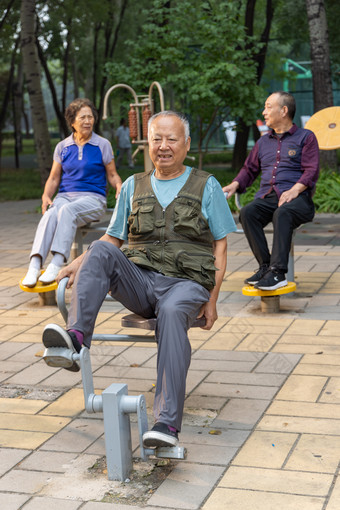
(133, 123)
(146, 116)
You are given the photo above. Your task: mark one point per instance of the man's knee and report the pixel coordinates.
(103, 248)
(283, 215)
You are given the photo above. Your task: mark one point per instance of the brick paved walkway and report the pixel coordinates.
(262, 414)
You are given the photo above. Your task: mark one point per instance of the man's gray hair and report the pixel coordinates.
(288, 100)
(180, 116)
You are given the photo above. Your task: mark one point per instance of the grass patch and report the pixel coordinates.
(19, 184)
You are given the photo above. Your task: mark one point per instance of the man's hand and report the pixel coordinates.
(70, 271)
(290, 194)
(208, 311)
(231, 188)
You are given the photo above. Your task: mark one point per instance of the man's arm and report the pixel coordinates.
(247, 174)
(209, 310)
(71, 269)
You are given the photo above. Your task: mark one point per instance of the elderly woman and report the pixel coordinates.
(82, 165)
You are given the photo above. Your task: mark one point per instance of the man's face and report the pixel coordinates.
(167, 145)
(273, 111)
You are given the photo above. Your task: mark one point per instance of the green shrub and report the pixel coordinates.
(327, 193)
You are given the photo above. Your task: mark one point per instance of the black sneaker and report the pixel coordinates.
(56, 336)
(272, 280)
(253, 280)
(160, 435)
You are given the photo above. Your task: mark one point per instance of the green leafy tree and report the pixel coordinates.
(202, 57)
(79, 53)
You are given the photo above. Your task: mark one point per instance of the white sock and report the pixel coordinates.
(35, 262)
(58, 259)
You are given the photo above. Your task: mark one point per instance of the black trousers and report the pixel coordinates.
(257, 214)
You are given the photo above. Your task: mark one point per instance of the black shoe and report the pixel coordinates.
(253, 280)
(272, 280)
(160, 435)
(55, 336)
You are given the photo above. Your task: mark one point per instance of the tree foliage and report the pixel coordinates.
(200, 54)
(207, 54)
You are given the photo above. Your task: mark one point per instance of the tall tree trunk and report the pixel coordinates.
(321, 67)
(63, 127)
(32, 74)
(18, 95)
(110, 55)
(66, 64)
(75, 75)
(241, 143)
(6, 99)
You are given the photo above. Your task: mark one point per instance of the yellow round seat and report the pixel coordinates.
(46, 294)
(249, 290)
(40, 287)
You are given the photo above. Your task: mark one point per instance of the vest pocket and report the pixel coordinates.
(138, 256)
(197, 266)
(188, 221)
(141, 219)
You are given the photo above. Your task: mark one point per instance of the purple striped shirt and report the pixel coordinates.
(282, 162)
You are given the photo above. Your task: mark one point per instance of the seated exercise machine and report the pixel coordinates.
(114, 402)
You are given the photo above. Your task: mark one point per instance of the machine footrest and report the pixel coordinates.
(173, 452)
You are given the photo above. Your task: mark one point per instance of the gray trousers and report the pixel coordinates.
(175, 302)
(57, 227)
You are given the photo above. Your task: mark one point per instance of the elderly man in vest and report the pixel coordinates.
(288, 160)
(175, 220)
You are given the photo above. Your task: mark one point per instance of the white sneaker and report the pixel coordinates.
(50, 274)
(31, 277)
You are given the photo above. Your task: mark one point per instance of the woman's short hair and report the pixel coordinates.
(74, 107)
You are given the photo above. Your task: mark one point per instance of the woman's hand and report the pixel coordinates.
(46, 201)
(51, 186)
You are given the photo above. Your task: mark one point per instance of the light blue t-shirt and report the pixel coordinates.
(215, 207)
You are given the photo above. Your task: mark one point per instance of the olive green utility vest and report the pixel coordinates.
(175, 241)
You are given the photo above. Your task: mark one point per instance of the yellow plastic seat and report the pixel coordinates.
(249, 290)
(46, 292)
(270, 299)
(40, 287)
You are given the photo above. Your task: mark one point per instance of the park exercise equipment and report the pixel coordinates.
(270, 299)
(46, 293)
(139, 114)
(325, 124)
(114, 402)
